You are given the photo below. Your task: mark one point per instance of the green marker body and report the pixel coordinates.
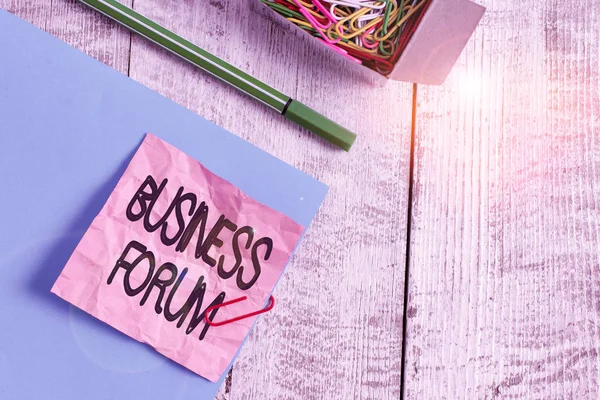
(293, 110)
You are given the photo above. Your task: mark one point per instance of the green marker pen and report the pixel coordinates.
(290, 108)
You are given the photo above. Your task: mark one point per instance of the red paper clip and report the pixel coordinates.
(269, 307)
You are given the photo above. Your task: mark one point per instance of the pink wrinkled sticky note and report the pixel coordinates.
(172, 240)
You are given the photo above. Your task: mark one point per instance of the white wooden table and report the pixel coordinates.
(504, 281)
(504, 248)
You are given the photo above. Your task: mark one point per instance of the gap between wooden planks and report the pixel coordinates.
(409, 220)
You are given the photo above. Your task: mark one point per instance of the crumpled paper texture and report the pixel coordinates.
(83, 281)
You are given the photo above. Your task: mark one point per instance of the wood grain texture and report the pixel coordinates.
(336, 331)
(504, 286)
(79, 26)
(35, 12)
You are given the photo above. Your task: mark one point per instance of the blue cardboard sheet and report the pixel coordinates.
(68, 127)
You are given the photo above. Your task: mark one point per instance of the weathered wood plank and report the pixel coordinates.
(35, 12)
(94, 34)
(336, 331)
(505, 260)
(79, 26)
